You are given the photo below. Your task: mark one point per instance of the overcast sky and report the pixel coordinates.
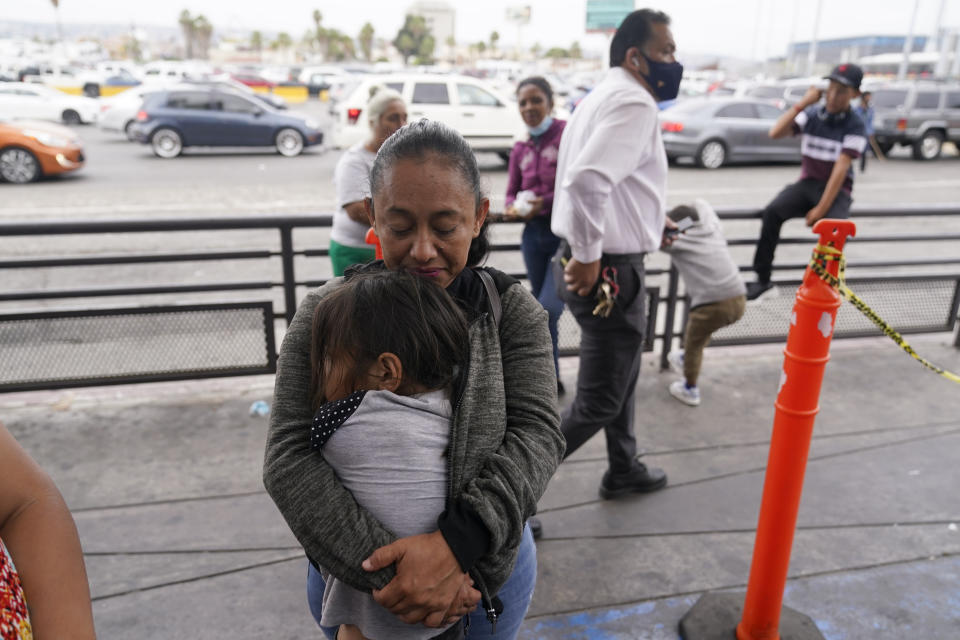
(739, 28)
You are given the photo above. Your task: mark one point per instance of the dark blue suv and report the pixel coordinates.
(172, 120)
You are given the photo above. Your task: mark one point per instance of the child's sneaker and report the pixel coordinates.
(683, 393)
(675, 358)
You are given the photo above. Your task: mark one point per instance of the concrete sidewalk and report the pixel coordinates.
(181, 540)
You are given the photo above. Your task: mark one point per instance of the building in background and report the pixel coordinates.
(831, 52)
(440, 18)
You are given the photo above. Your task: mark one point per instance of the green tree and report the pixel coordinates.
(410, 38)
(536, 50)
(481, 47)
(494, 39)
(256, 41)
(283, 41)
(189, 34)
(203, 31)
(366, 41)
(321, 33)
(557, 52)
(575, 52)
(340, 46)
(425, 52)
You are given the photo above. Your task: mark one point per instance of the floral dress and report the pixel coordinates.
(14, 619)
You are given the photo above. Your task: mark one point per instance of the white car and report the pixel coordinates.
(119, 112)
(487, 119)
(39, 102)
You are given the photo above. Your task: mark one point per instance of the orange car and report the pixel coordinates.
(30, 149)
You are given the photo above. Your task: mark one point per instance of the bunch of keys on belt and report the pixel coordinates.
(607, 292)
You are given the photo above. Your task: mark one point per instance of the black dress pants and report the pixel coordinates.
(610, 350)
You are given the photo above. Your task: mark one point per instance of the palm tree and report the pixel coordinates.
(56, 8)
(189, 33)
(256, 41)
(322, 39)
(366, 41)
(203, 30)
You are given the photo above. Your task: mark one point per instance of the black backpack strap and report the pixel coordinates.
(493, 296)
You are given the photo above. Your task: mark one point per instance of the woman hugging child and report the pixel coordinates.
(386, 350)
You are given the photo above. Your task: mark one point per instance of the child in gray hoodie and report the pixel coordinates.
(713, 283)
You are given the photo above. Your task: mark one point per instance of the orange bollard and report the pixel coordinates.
(805, 357)
(371, 238)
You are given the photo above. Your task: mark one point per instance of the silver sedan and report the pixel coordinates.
(717, 131)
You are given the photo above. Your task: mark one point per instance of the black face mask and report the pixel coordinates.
(664, 78)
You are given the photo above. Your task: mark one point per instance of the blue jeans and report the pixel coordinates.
(515, 594)
(539, 246)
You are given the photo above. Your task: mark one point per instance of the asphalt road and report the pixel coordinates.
(124, 179)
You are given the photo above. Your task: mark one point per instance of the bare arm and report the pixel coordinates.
(38, 530)
(783, 127)
(837, 176)
(357, 212)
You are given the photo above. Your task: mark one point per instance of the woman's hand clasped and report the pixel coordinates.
(429, 587)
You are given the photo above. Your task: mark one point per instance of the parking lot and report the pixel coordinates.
(124, 179)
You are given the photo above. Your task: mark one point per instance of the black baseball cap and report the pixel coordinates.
(847, 74)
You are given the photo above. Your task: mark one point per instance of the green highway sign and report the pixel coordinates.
(606, 15)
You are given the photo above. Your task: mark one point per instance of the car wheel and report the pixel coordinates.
(71, 117)
(928, 147)
(91, 90)
(128, 130)
(18, 166)
(289, 142)
(712, 154)
(166, 143)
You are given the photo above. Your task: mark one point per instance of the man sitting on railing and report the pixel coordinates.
(833, 136)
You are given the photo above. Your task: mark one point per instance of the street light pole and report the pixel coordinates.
(812, 53)
(908, 45)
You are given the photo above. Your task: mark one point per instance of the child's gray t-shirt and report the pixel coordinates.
(389, 452)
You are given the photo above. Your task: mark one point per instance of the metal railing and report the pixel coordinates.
(667, 301)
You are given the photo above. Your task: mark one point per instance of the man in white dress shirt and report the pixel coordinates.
(610, 211)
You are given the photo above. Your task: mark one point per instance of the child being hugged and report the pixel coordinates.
(386, 350)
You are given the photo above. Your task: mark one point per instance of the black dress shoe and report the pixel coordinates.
(535, 527)
(640, 479)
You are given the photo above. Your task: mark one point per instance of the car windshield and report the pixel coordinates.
(889, 98)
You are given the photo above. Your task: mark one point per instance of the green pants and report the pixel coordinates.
(343, 256)
(703, 321)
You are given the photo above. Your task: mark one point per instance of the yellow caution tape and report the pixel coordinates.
(824, 253)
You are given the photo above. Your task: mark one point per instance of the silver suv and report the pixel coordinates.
(919, 115)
